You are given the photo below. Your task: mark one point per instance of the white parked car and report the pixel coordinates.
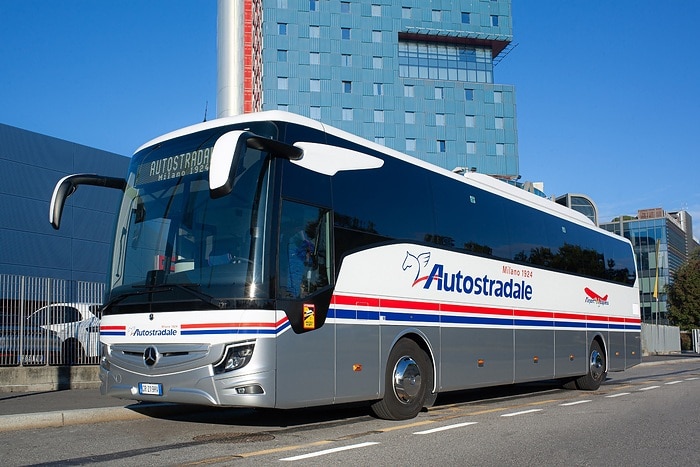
(76, 325)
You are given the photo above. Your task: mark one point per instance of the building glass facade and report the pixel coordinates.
(417, 77)
(662, 243)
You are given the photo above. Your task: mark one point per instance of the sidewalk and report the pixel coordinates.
(27, 410)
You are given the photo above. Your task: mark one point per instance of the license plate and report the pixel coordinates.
(150, 389)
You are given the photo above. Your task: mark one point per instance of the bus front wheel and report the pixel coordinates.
(407, 384)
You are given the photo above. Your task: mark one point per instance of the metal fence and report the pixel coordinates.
(46, 321)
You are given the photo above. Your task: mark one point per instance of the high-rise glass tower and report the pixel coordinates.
(412, 75)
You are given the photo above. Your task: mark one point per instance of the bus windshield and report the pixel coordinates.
(176, 248)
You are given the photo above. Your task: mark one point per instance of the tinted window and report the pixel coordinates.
(389, 202)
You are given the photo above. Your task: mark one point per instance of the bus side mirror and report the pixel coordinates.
(67, 186)
(227, 153)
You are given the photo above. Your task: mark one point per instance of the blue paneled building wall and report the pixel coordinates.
(30, 166)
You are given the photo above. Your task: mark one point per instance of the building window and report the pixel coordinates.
(498, 97)
(410, 118)
(315, 32)
(439, 93)
(440, 119)
(376, 10)
(313, 5)
(346, 60)
(468, 94)
(377, 63)
(347, 87)
(315, 112)
(281, 55)
(436, 16)
(466, 18)
(494, 20)
(471, 147)
(345, 7)
(347, 114)
(499, 123)
(409, 91)
(378, 89)
(500, 149)
(376, 36)
(345, 34)
(284, 107)
(315, 85)
(445, 62)
(380, 140)
(470, 121)
(378, 116)
(410, 144)
(282, 29)
(441, 147)
(282, 83)
(315, 58)
(406, 12)
(282, 4)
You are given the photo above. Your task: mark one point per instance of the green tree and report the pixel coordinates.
(684, 294)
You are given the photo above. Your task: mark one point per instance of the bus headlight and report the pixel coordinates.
(235, 357)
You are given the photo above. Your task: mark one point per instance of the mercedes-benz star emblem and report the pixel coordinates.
(150, 356)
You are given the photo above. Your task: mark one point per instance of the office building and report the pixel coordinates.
(662, 242)
(417, 77)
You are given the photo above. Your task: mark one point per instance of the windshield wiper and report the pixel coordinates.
(148, 289)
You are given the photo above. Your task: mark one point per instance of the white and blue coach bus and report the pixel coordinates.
(268, 260)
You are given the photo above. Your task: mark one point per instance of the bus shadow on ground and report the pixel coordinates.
(330, 415)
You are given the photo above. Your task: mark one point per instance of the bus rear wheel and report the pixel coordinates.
(407, 383)
(596, 369)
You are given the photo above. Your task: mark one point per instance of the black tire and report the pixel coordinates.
(407, 384)
(596, 369)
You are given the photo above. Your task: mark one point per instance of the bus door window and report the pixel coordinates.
(303, 250)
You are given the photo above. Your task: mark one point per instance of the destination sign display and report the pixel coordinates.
(167, 168)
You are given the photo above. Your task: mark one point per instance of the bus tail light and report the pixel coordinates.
(235, 357)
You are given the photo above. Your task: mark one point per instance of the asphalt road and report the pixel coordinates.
(647, 415)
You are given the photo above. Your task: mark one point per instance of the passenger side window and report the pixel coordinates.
(304, 250)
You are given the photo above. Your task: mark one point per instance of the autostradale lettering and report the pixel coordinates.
(154, 332)
(464, 283)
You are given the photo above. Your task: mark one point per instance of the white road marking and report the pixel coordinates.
(520, 413)
(673, 382)
(443, 428)
(649, 388)
(618, 394)
(327, 451)
(568, 404)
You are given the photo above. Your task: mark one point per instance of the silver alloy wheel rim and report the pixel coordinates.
(407, 379)
(596, 365)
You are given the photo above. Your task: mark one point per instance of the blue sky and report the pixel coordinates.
(607, 91)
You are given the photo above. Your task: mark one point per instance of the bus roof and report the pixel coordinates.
(479, 180)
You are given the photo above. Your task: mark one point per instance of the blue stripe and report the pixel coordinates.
(532, 322)
(228, 331)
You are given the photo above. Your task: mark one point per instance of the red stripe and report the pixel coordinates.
(454, 308)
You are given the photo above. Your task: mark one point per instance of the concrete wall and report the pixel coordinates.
(660, 340)
(49, 378)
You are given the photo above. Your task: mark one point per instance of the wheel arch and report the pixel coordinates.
(417, 336)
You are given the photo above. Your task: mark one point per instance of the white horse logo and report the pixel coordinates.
(417, 262)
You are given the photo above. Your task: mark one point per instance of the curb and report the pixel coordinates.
(61, 418)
